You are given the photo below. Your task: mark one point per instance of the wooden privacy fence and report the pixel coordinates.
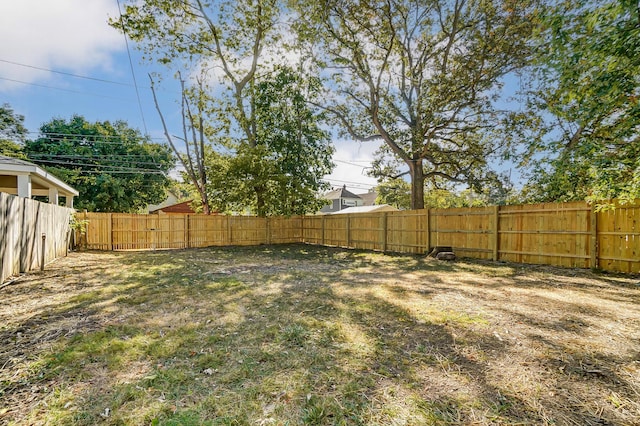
(118, 231)
(560, 234)
(23, 224)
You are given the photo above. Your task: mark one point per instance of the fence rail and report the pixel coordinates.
(32, 234)
(560, 234)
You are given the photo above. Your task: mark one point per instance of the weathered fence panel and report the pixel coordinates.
(560, 234)
(23, 224)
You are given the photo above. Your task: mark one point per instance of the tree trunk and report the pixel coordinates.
(260, 202)
(417, 184)
(205, 205)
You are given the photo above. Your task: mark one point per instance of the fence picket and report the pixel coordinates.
(561, 234)
(23, 222)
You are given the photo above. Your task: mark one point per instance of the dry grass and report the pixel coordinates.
(309, 335)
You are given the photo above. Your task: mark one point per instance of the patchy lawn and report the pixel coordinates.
(308, 335)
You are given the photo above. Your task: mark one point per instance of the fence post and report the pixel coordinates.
(86, 229)
(384, 231)
(348, 231)
(268, 225)
(229, 235)
(428, 224)
(187, 243)
(323, 218)
(302, 229)
(44, 249)
(496, 233)
(110, 232)
(594, 238)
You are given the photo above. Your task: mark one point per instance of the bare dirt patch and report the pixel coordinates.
(308, 335)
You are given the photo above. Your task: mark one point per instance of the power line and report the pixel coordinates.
(95, 156)
(66, 73)
(133, 74)
(86, 77)
(362, 184)
(126, 160)
(112, 168)
(353, 164)
(71, 137)
(64, 90)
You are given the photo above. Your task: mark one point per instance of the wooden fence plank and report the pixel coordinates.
(561, 234)
(23, 222)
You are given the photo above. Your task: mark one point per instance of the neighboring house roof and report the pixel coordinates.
(171, 199)
(22, 178)
(369, 198)
(340, 193)
(368, 209)
(184, 207)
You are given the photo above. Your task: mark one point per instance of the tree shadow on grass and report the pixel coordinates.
(261, 335)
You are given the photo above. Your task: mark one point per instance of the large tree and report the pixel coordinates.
(113, 166)
(193, 137)
(226, 36)
(586, 96)
(422, 76)
(290, 157)
(12, 132)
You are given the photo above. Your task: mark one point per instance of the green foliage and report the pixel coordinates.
(265, 151)
(587, 102)
(113, 167)
(281, 173)
(395, 192)
(78, 225)
(12, 132)
(444, 199)
(422, 76)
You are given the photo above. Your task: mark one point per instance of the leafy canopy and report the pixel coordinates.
(290, 157)
(113, 167)
(264, 151)
(12, 132)
(422, 76)
(587, 103)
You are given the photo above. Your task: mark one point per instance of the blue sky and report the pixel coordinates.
(60, 57)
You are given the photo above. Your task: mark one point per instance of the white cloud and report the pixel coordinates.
(69, 35)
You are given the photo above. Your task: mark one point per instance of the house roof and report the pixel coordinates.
(369, 198)
(367, 209)
(340, 193)
(184, 207)
(41, 179)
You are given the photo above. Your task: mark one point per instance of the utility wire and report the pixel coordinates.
(119, 162)
(353, 164)
(64, 90)
(367, 185)
(107, 168)
(91, 138)
(66, 73)
(86, 77)
(133, 74)
(62, 163)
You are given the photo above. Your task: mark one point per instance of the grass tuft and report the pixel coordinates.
(304, 335)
